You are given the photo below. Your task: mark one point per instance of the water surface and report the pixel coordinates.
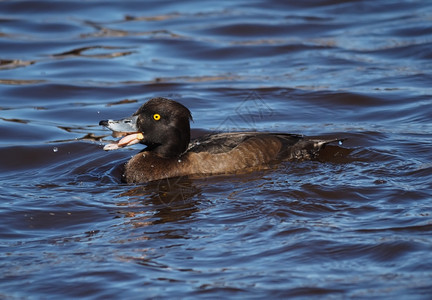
(354, 224)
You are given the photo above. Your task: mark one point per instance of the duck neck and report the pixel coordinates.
(174, 146)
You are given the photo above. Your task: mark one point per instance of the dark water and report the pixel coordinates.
(356, 224)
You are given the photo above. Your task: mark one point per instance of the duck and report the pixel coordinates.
(163, 126)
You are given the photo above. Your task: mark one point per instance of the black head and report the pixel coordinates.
(164, 125)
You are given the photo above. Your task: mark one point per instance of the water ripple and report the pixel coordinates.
(355, 223)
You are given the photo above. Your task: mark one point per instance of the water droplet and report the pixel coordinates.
(55, 149)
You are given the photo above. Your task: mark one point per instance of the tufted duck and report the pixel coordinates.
(163, 126)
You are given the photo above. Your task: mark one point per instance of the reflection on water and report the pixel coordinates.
(171, 200)
(355, 223)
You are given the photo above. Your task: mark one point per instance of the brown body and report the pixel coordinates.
(226, 153)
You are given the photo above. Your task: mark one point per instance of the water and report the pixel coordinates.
(356, 224)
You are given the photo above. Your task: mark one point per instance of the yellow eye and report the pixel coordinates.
(156, 117)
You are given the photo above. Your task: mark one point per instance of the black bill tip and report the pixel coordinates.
(103, 123)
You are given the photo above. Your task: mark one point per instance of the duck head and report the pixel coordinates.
(161, 124)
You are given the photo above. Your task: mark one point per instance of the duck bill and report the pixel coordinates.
(126, 125)
(125, 128)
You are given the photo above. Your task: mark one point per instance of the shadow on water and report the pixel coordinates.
(171, 199)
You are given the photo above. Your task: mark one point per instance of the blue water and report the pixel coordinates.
(355, 224)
